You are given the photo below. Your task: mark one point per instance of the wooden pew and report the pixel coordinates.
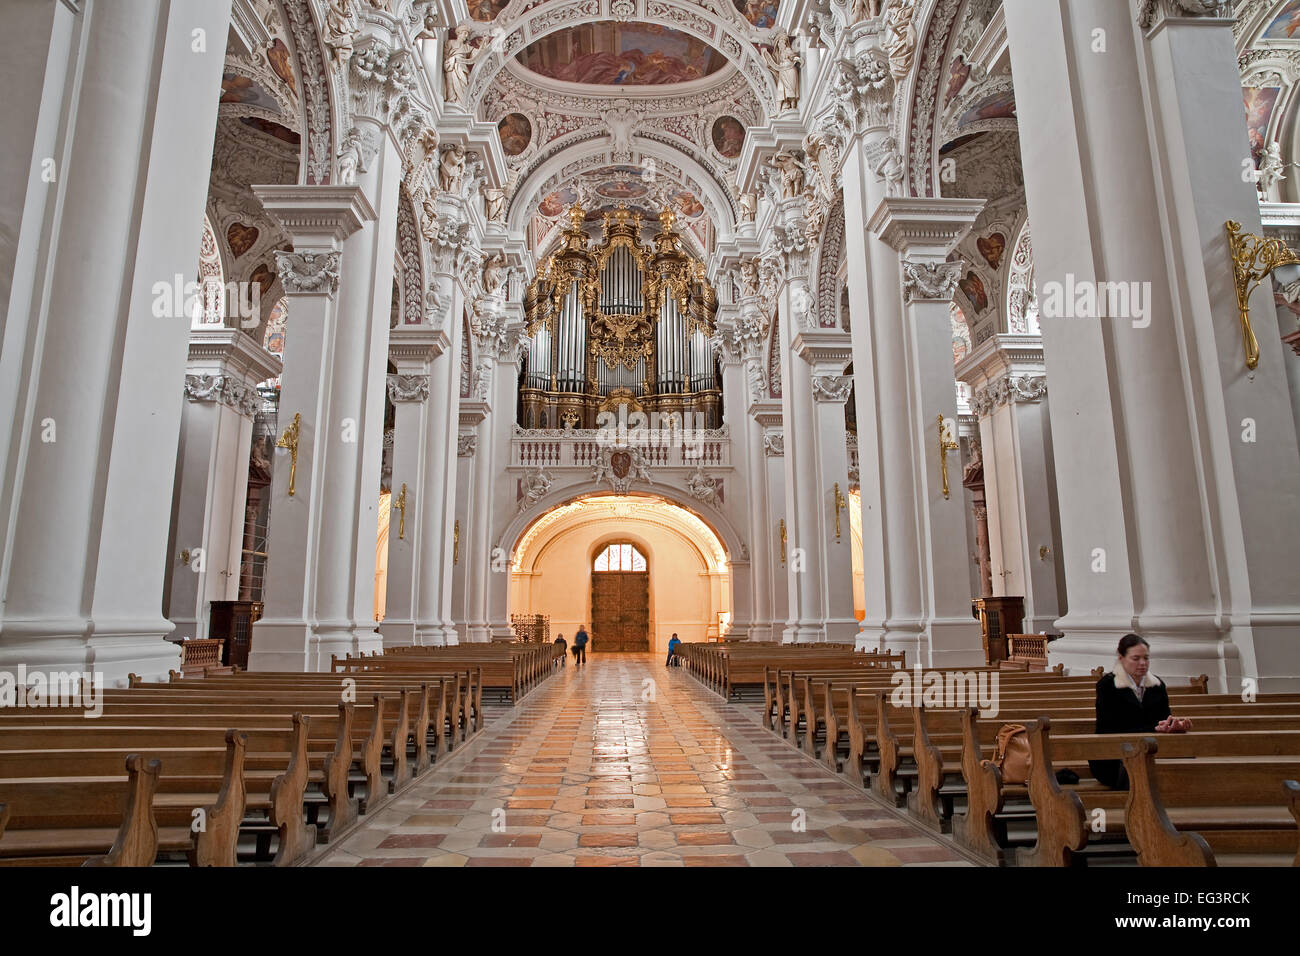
(1205, 795)
(190, 777)
(83, 820)
(279, 792)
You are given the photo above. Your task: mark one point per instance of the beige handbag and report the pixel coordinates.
(1011, 755)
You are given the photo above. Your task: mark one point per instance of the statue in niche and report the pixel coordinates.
(494, 274)
(457, 60)
(864, 10)
(452, 168)
(1270, 168)
(429, 224)
(494, 202)
(350, 157)
(784, 63)
(748, 203)
(748, 278)
(902, 38)
(791, 170)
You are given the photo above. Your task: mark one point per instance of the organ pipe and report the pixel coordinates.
(637, 319)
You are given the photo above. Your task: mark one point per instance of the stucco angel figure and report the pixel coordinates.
(748, 203)
(901, 32)
(890, 165)
(785, 63)
(792, 174)
(1270, 168)
(350, 157)
(748, 277)
(864, 9)
(340, 24)
(457, 60)
(452, 168)
(494, 202)
(494, 274)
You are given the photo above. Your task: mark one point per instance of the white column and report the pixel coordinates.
(768, 417)
(831, 455)
(924, 232)
(319, 219)
(739, 491)
(212, 473)
(476, 452)
(93, 367)
(434, 620)
(876, 394)
(1172, 525)
(1188, 68)
(1010, 397)
(411, 350)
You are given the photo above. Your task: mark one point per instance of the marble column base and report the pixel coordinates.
(114, 655)
(397, 632)
(804, 634)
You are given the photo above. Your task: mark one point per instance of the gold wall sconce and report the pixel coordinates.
(289, 440)
(1043, 552)
(840, 503)
(782, 526)
(1253, 259)
(945, 445)
(455, 543)
(400, 504)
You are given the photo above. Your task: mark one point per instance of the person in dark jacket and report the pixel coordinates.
(1131, 700)
(563, 645)
(580, 647)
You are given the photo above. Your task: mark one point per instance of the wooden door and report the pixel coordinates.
(620, 611)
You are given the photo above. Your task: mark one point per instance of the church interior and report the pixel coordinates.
(645, 433)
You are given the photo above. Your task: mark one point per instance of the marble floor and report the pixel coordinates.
(629, 763)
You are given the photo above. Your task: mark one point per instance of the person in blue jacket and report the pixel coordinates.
(672, 647)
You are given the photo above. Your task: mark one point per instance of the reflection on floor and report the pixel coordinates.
(628, 763)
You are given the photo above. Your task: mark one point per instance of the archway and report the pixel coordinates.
(689, 588)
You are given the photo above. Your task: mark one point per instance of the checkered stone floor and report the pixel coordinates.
(630, 763)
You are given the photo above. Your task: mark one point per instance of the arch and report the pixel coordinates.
(322, 102)
(592, 149)
(731, 547)
(735, 41)
(412, 262)
(920, 103)
(830, 256)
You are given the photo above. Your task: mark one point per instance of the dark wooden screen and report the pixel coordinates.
(620, 611)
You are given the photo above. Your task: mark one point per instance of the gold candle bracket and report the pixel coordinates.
(455, 543)
(782, 526)
(839, 505)
(1253, 259)
(289, 440)
(945, 445)
(400, 504)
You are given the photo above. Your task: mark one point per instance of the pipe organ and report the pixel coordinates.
(620, 324)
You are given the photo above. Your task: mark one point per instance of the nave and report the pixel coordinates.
(588, 773)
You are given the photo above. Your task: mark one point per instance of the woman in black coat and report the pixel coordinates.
(1131, 700)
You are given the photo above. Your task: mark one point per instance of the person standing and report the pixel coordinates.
(580, 646)
(563, 645)
(672, 649)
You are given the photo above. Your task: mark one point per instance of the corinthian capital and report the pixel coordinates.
(381, 79)
(308, 272)
(930, 280)
(864, 91)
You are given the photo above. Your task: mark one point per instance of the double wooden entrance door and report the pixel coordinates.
(620, 611)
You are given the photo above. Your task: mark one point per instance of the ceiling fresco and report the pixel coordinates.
(622, 54)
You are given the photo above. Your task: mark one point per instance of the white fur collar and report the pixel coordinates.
(1123, 680)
